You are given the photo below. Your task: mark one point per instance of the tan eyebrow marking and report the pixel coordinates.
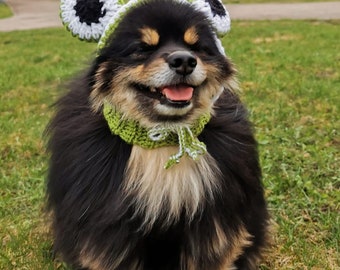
(149, 36)
(191, 36)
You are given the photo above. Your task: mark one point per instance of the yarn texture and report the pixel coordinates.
(96, 20)
(185, 137)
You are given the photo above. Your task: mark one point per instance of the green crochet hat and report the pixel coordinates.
(96, 20)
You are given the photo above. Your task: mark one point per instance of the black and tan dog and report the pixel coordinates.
(153, 161)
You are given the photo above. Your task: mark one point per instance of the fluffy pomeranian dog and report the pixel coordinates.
(154, 165)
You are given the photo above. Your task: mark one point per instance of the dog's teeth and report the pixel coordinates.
(153, 89)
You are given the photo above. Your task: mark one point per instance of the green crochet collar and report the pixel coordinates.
(135, 134)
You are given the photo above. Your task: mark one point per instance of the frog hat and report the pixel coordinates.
(95, 20)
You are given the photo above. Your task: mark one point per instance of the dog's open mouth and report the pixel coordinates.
(178, 95)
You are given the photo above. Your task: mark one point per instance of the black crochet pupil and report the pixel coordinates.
(89, 11)
(216, 7)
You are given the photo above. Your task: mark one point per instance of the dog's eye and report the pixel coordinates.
(142, 51)
(194, 47)
(204, 48)
(209, 50)
(144, 47)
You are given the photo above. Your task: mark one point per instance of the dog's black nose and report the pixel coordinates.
(182, 62)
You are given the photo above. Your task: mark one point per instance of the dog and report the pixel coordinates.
(153, 161)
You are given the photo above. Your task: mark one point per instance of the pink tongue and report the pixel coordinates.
(178, 92)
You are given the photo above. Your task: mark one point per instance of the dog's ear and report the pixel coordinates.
(87, 19)
(217, 14)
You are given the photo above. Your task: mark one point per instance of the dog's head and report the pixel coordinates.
(161, 64)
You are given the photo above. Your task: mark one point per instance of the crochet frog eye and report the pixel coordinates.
(87, 19)
(217, 14)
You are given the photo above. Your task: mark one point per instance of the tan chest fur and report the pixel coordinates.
(158, 191)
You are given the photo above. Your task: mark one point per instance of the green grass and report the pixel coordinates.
(33, 64)
(289, 73)
(5, 11)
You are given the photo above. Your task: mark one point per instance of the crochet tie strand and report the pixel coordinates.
(183, 136)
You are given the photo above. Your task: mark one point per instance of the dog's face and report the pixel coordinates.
(161, 65)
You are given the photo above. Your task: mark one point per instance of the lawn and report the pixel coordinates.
(5, 11)
(289, 73)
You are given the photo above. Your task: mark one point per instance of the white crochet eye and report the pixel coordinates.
(217, 14)
(117, 15)
(87, 19)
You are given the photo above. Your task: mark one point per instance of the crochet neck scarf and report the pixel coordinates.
(185, 137)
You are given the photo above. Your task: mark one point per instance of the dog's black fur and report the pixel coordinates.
(95, 223)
